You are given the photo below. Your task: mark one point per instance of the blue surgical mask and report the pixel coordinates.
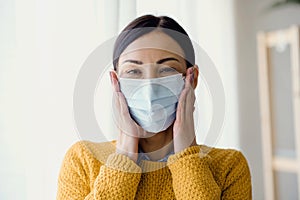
(153, 102)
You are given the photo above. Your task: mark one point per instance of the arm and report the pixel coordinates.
(192, 177)
(237, 184)
(117, 179)
(223, 175)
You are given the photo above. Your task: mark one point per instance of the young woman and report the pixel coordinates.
(156, 155)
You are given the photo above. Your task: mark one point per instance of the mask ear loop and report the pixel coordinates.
(183, 77)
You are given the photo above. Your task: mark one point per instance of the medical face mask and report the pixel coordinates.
(153, 102)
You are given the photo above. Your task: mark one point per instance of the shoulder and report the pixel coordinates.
(87, 150)
(226, 156)
(228, 165)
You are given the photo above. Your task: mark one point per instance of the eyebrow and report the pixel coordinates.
(158, 62)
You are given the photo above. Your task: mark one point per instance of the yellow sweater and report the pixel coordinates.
(93, 171)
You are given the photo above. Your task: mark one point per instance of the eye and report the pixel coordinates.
(167, 70)
(133, 72)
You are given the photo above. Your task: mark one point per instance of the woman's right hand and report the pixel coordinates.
(128, 139)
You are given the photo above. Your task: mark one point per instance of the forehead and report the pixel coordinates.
(153, 44)
(150, 55)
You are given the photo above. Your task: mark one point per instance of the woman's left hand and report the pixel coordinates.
(183, 128)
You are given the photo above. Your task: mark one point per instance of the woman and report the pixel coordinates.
(155, 155)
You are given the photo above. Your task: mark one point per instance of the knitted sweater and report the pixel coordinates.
(93, 171)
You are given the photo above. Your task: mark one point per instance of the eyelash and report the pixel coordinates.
(136, 72)
(133, 70)
(168, 69)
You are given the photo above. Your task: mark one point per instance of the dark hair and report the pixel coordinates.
(148, 23)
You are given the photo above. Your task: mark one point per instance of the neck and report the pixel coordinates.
(159, 145)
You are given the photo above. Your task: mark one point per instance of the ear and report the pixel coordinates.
(196, 74)
(113, 75)
(114, 80)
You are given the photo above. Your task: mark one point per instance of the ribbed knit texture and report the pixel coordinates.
(94, 171)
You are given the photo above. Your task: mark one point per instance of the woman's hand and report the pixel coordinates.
(183, 129)
(128, 139)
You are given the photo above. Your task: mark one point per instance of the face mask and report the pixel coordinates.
(153, 102)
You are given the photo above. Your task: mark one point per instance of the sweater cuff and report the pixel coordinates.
(121, 162)
(201, 150)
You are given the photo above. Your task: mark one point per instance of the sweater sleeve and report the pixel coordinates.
(237, 184)
(192, 178)
(117, 179)
(193, 175)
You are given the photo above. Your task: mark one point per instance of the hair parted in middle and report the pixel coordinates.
(148, 23)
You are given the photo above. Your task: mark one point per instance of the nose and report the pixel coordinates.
(151, 71)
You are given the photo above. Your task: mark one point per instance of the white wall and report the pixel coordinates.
(11, 146)
(43, 44)
(250, 17)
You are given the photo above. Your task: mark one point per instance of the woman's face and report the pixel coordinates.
(153, 55)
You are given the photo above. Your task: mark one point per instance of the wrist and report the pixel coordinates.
(133, 156)
(128, 146)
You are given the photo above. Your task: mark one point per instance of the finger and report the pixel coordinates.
(189, 109)
(187, 90)
(181, 106)
(116, 109)
(126, 124)
(120, 106)
(123, 106)
(120, 112)
(190, 96)
(189, 77)
(185, 104)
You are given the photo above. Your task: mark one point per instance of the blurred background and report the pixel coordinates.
(44, 43)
